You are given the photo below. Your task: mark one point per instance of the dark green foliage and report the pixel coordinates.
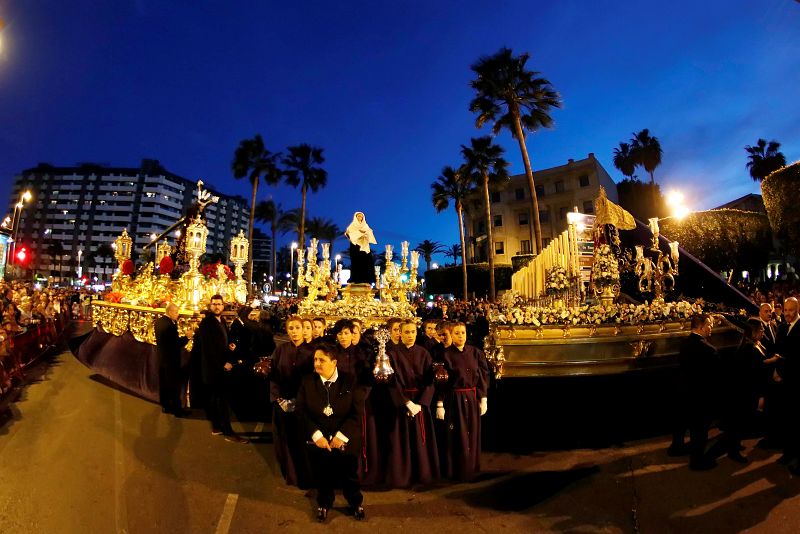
(449, 279)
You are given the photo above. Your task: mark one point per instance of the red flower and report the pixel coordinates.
(128, 267)
(166, 265)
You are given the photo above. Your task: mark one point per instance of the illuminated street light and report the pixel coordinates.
(434, 265)
(676, 205)
(291, 265)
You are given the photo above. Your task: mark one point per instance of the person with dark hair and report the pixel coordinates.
(350, 359)
(169, 344)
(291, 361)
(216, 360)
(412, 455)
(393, 327)
(330, 404)
(462, 404)
(318, 324)
(699, 371)
(308, 331)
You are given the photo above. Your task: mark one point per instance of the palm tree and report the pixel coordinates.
(324, 230)
(454, 252)
(302, 170)
(428, 248)
(764, 158)
(253, 161)
(268, 211)
(289, 222)
(485, 165)
(518, 100)
(646, 151)
(624, 160)
(454, 184)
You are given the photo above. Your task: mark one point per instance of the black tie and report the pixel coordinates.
(328, 384)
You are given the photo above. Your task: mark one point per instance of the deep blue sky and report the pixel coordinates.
(383, 87)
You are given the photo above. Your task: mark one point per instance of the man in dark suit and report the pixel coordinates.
(330, 406)
(216, 362)
(169, 346)
(699, 370)
(788, 372)
(770, 328)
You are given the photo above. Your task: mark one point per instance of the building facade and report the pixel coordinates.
(76, 213)
(559, 190)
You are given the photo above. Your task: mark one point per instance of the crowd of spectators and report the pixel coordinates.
(30, 320)
(774, 292)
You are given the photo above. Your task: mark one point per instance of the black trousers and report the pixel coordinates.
(333, 469)
(699, 425)
(169, 387)
(218, 408)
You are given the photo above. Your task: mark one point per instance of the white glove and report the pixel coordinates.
(284, 404)
(440, 410)
(413, 409)
(484, 405)
(290, 405)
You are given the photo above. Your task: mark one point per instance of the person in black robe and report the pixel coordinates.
(412, 453)
(362, 262)
(330, 405)
(393, 327)
(216, 361)
(291, 361)
(461, 406)
(169, 345)
(788, 370)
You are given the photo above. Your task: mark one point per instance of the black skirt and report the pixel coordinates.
(362, 266)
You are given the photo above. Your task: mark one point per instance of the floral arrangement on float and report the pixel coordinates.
(557, 281)
(514, 311)
(605, 275)
(212, 271)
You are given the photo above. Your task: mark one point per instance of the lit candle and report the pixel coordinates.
(378, 275)
(388, 253)
(404, 246)
(414, 259)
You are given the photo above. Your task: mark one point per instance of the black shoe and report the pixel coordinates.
(677, 450)
(236, 438)
(738, 458)
(216, 432)
(786, 459)
(704, 465)
(358, 513)
(322, 514)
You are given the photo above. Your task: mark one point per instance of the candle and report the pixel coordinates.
(673, 251)
(326, 247)
(654, 226)
(378, 275)
(639, 252)
(404, 246)
(388, 253)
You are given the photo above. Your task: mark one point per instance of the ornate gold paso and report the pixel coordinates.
(116, 319)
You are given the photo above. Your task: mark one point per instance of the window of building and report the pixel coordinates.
(544, 216)
(584, 180)
(498, 220)
(519, 193)
(499, 247)
(588, 206)
(495, 196)
(523, 218)
(562, 213)
(539, 191)
(525, 246)
(560, 186)
(480, 227)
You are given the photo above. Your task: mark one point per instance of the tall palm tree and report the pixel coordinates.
(253, 161)
(289, 222)
(516, 99)
(624, 160)
(454, 184)
(646, 151)
(302, 169)
(323, 229)
(270, 212)
(764, 158)
(428, 248)
(485, 165)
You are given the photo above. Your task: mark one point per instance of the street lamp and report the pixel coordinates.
(675, 202)
(291, 266)
(14, 221)
(80, 268)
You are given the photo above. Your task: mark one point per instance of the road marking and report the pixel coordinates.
(259, 428)
(120, 509)
(227, 514)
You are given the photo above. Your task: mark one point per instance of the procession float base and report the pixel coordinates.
(527, 351)
(121, 347)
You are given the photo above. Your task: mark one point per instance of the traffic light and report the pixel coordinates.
(23, 257)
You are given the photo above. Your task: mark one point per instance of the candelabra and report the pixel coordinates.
(195, 246)
(398, 280)
(240, 248)
(317, 276)
(656, 276)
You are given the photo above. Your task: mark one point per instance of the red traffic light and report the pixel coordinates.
(21, 255)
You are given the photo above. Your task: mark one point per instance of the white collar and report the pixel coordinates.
(333, 377)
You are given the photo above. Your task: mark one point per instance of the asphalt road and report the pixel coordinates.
(80, 456)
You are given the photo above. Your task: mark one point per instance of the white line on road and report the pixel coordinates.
(227, 514)
(120, 508)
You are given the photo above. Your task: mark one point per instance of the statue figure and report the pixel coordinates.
(362, 263)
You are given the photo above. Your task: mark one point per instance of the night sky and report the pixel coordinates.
(383, 88)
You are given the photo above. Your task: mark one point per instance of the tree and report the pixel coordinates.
(646, 151)
(454, 252)
(780, 199)
(518, 100)
(624, 160)
(764, 158)
(253, 161)
(269, 212)
(428, 248)
(301, 169)
(485, 165)
(325, 230)
(289, 222)
(454, 184)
